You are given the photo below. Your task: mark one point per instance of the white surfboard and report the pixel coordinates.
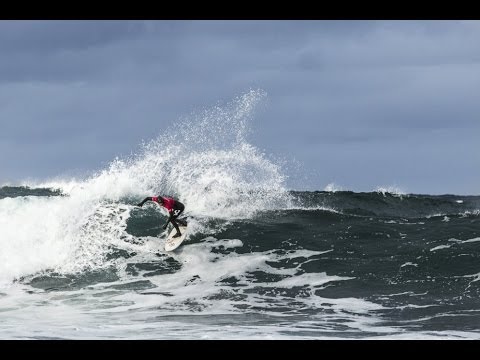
(172, 243)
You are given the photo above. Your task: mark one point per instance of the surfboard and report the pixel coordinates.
(172, 243)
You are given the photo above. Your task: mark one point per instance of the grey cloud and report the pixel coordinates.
(49, 36)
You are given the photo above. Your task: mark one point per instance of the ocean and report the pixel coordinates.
(79, 260)
(331, 265)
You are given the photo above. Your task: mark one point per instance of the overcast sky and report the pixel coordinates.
(361, 104)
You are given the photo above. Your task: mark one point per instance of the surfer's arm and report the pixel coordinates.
(148, 198)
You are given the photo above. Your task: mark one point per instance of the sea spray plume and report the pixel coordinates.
(332, 187)
(206, 162)
(393, 190)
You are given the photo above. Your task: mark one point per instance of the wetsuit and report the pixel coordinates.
(174, 208)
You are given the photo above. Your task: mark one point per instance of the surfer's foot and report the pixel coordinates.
(177, 235)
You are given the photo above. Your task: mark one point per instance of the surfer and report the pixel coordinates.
(174, 208)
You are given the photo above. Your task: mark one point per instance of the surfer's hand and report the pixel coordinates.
(165, 227)
(140, 204)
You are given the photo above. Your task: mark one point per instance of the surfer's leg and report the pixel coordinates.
(174, 223)
(176, 213)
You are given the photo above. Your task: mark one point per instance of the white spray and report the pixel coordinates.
(204, 161)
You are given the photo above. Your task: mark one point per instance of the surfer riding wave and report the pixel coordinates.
(174, 208)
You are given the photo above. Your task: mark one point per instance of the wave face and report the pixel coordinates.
(79, 260)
